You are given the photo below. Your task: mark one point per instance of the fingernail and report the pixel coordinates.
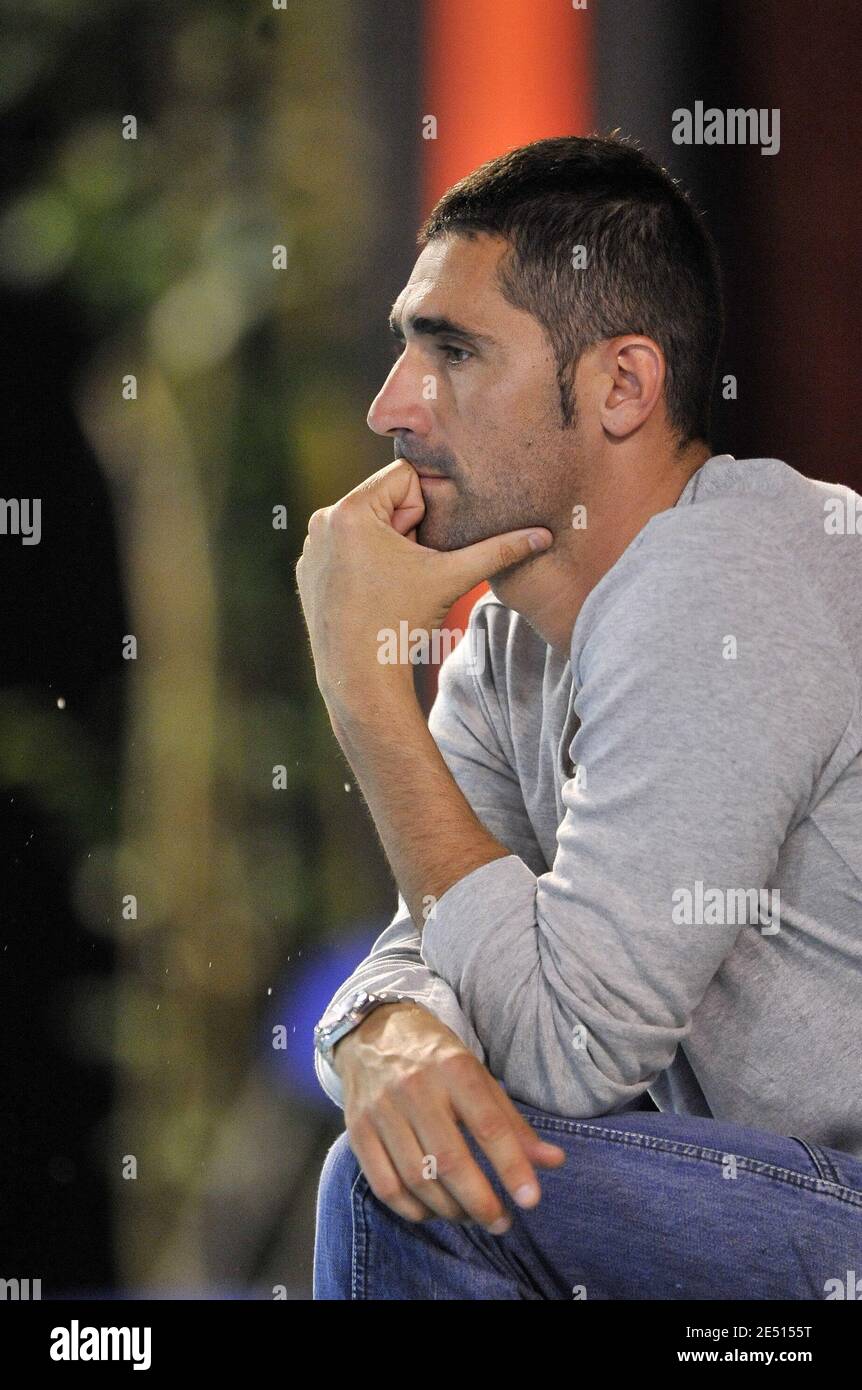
(537, 541)
(527, 1195)
(500, 1225)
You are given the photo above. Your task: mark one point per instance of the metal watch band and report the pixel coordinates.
(358, 1007)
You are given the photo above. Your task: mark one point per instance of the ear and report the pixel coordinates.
(637, 370)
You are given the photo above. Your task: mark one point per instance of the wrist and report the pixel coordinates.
(369, 1027)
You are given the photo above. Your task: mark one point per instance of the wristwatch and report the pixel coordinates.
(358, 1007)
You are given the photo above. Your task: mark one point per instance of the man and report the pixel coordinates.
(628, 841)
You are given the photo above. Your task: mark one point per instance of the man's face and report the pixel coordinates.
(473, 398)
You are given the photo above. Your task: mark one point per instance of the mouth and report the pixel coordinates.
(426, 477)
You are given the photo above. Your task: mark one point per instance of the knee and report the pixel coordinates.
(338, 1174)
(333, 1244)
(335, 1191)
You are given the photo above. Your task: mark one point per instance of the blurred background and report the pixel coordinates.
(207, 209)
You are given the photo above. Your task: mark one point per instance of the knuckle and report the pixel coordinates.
(513, 1174)
(362, 1122)
(387, 1190)
(410, 1086)
(399, 1200)
(486, 1209)
(358, 1117)
(449, 1162)
(462, 1062)
(418, 1190)
(490, 1125)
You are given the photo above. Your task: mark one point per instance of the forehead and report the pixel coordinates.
(454, 276)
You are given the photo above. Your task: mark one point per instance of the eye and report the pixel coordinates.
(458, 361)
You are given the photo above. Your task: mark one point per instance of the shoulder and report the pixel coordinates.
(732, 567)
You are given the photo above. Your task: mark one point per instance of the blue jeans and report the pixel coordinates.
(646, 1206)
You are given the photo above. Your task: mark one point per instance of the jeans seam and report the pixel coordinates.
(360, 1239)
(821, 1160)
(850, 1196)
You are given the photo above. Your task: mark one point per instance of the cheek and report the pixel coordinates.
(484, 410)
(526, 401)
(513, 425)
(500, 427)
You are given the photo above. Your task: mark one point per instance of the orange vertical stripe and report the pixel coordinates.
(499, 73)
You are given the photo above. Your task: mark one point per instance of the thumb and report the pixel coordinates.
(486, 558)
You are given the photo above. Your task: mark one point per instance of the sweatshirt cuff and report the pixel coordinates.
(329, 1079)
(492, 902)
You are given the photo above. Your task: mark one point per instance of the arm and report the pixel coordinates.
(580, 981)
(468, 737)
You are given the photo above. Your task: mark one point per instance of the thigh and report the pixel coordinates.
(646, 1206)
(657, 1206)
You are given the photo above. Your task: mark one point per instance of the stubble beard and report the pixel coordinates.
(461, 519)
(451, 523)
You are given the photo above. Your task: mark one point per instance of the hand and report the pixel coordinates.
(408, 1081)
(362, 571)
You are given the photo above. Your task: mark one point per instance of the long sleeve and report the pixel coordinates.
(714, 699)
(469, 743)
(395, 963)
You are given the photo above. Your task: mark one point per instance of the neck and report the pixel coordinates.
(550, 589)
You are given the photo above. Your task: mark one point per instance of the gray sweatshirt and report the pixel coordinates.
(680, 912)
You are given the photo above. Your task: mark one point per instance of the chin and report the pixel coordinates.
(455, 529)
(436, 538)
(437, 534)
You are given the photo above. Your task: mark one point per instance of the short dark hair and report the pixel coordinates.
(651, 264)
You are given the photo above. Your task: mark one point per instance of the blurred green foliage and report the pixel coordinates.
(249, 135)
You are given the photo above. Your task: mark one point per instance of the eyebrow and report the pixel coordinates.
(436, 326)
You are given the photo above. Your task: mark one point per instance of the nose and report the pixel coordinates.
(401, 402)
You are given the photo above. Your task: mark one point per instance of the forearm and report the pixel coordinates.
(429, 832)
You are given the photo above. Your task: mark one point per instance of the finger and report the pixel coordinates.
(381, 1175)
(539, 1149)
(406, 519)
(409, 505)
(457, 1170)
(473, 563)
(390, 490)
(501, 1137)
(393, 494)
(399, 1133)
